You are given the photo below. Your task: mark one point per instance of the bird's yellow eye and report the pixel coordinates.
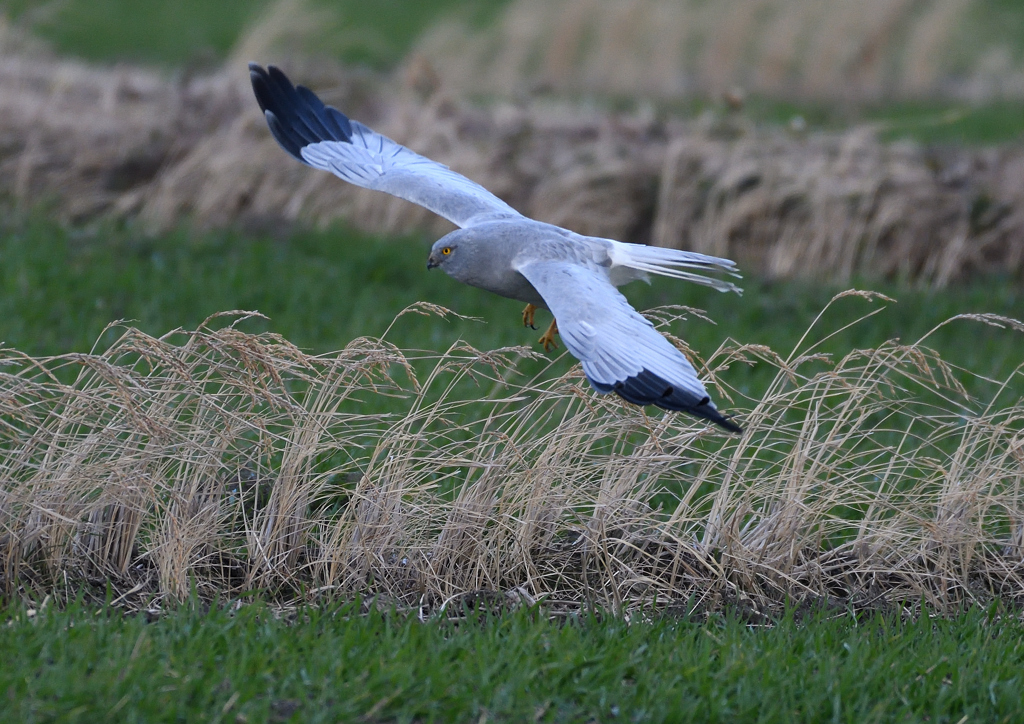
(446, 251)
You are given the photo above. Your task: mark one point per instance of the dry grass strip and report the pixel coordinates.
(821, 49)
(219, 461)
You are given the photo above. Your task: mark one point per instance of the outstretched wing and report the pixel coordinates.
(621, 351)
(324, 138)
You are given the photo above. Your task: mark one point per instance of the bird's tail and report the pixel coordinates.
(672, 262)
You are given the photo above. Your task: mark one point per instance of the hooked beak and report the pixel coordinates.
(431, 264)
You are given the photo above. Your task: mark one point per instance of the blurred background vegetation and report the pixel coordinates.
(943, 73)
(936, 71)
(828, 62)
(138, 182)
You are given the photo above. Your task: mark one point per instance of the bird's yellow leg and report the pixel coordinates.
(548, 339)
(528, 316)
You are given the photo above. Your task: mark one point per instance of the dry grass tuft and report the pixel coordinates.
(221, 461)
(821, 49)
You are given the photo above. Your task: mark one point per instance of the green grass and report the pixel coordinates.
(175, 32)
(379, 34)
(60, 289)
(169, 32)
(950, 124)
(928, 122)
(998, 20)
(84, 664)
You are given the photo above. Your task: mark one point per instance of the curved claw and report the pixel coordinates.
(528, 316)
(548, 338)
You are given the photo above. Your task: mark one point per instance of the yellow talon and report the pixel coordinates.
(528, 316)
(548, 338)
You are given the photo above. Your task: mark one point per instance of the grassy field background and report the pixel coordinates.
(89, 662)
(199, 35)
(176, 34)
(61, 287)
(323, 289)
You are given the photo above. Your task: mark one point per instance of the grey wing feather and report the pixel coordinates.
(376, 162)
(621, 351)
(323, 137)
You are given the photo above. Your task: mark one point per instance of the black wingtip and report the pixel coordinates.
(723, 421)
(260, 84)
(648, 388)
(296, 117)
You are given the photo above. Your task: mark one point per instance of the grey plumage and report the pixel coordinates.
(502, 251)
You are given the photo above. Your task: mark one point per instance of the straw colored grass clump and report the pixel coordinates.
(821, 49)
(219, 461)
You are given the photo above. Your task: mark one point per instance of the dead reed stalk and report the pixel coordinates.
(221, 461)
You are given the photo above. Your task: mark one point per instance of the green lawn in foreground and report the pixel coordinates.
(89, 665)
(58, 290)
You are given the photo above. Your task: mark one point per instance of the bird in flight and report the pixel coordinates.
(498, 249)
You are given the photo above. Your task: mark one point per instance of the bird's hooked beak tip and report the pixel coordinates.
(431, 264)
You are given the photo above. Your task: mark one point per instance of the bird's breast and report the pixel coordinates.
(515, 286)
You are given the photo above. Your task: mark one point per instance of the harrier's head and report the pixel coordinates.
(443, 251)
(458, 253)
